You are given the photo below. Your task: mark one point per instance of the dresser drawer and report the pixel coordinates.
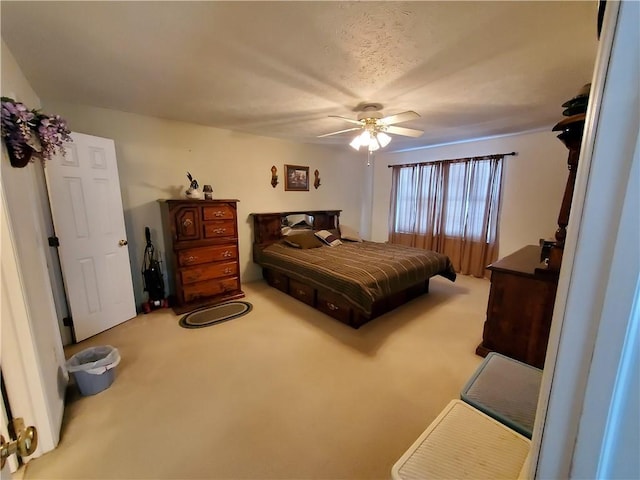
(197, 256)
(302, 292)
(210, 288)
(334, 306)
(218, 212)
(218, 229)
(208, 272)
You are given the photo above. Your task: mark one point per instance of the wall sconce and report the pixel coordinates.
(274, 176)
(316, 182)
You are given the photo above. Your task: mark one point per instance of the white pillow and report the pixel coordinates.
(348, 233)
(328, 238)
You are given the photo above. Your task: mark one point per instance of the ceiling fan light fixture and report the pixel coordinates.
(375, 127)
(383, 139)
(362, 140)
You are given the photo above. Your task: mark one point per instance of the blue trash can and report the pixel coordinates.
(94, 368)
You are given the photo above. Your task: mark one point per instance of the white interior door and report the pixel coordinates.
(84, 191)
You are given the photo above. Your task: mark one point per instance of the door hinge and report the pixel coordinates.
(54, 241)
(67, 322)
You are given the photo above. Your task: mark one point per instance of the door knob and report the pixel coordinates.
(122, 243)
(24, 445)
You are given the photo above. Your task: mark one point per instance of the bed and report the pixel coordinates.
(353, 282)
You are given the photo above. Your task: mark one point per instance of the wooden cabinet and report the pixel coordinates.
(520, 307)
(201, 238)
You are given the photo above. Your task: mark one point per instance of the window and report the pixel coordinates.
(438, 202)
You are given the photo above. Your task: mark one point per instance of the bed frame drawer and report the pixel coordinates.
(302, 292)
(277, 280)
(334, 306)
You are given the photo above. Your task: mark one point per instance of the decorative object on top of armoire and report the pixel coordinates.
(30, 134)
(201, 239)
(193, 191)
(316, 182)
(524, 284)
(274, 176)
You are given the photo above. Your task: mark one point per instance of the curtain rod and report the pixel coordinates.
(451, 160)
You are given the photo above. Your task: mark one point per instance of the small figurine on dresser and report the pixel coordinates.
(193, 190)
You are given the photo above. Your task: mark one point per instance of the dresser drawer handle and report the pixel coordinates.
(226, 254)
(191, 258)
(276, 281)
(219, 213)
(302, 293)
(219, 230)
(332, 306)
(187, 223)
(228, 270)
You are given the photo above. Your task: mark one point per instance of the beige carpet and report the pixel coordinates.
(283, 392)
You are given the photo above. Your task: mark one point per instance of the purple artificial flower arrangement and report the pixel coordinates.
(30, 132)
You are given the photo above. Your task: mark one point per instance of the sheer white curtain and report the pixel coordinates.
(451, 207)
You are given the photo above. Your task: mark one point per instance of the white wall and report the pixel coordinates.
(155, 154)
(533, 184)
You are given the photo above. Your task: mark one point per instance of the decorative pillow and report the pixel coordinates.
(303, 240)
(285, 231)
(348, 233)
(328, 238)
(299, 220)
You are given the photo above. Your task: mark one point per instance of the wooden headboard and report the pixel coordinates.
(267, 226)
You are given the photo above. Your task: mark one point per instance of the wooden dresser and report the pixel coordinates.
(520, 307)
(201, 239)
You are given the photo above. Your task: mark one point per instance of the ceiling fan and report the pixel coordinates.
(375, 128)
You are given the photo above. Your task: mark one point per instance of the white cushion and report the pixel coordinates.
(348, 233)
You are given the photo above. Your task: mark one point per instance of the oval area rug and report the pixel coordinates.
(208, 316)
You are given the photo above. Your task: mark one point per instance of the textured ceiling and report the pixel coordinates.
(470, 69)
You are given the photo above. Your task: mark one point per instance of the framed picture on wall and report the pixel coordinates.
(296, 178)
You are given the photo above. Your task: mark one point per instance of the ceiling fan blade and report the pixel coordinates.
(400, 117)
(407, 132)
(350, 120)
(339, 131)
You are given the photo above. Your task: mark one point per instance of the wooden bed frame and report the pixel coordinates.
(267, 230)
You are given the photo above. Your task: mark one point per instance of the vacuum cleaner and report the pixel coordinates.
(152, 277)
